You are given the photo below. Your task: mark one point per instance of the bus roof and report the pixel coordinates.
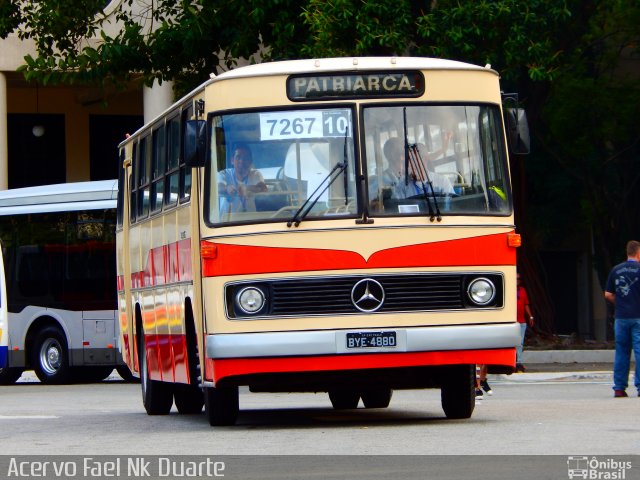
(320, 65)
(290, 67)
(63, 197)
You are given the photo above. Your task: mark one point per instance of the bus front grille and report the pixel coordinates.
(388, 293)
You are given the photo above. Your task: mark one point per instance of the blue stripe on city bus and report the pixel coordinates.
(4, 352)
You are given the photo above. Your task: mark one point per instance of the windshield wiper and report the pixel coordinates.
(419, 171)
(345, 155)
(412, 157)
(308, 204)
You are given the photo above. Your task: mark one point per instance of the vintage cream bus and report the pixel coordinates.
(333, 225)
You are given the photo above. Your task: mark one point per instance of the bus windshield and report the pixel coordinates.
(448, 158)
(419, 159)
(265, 165)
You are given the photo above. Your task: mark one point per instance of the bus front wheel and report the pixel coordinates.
(344, 399)
(157, 396)
(221, 405)
(458, 391)
(376, 398)
(50, 356)
(188, 398)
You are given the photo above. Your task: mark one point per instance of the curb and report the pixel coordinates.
(596, 376)
(568, 356)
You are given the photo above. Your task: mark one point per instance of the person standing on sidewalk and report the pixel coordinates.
(525, 317)
(623, 291)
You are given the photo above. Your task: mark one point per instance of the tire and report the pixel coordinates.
(189, 399)
(9, 375)
(221, 405)
(378, 398)
(50, 356)
(126, 374)
(344, 399)
(458, 391)
(157, 396)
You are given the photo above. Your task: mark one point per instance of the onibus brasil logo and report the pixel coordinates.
(595, 468)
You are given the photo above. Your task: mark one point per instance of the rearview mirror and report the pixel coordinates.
(517, 131)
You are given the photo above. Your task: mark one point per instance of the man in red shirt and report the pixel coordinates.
(524, 317)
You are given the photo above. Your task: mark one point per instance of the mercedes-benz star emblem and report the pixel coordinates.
(367, 295)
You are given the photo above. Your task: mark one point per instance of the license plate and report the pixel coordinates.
(371, 339)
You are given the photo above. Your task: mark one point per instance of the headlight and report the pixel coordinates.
(250, 300)
(481, 291)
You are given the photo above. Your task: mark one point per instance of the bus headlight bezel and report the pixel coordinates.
(250, 300)
(481, 291)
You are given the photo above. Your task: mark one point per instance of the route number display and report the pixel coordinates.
(299, 124)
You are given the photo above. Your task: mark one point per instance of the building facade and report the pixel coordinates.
(56, 134)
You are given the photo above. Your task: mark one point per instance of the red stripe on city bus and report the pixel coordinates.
(242, 260)
(167, 357)
(217, 369)
(165, 265)
(172, 263)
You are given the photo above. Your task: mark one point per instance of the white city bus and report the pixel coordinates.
(266, 236)
(58, 244)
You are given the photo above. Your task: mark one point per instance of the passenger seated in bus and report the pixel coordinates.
(238, 185)
(391, 184)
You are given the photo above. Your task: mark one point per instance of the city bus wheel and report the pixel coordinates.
(344, 399)
(157, 396)
(189, 399)
(9, 375)
(221, 405)
(50, 356)
(458, 392)
(377, 398)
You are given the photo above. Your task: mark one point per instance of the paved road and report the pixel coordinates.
(532, 413)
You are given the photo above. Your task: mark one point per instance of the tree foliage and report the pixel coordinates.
(574, 63)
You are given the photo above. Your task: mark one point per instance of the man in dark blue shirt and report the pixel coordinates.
(623, 290)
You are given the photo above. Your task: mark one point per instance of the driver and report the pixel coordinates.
(392, 179)
(238, 185)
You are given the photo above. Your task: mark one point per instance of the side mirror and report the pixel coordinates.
(518, 131)
(195, 142)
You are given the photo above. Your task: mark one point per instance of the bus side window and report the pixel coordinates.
(132, 184)
(144, 168)
(173, 161)
(185, 172)
(120, 201)
(158, 168)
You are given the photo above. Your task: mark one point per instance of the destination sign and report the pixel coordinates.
(355, 85)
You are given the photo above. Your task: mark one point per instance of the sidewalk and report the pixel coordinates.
(564, 365)
(568, 360)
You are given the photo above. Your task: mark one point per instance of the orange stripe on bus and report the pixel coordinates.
(242, 260)
(217, 369)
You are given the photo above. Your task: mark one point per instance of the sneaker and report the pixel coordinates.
(485, 386)
(520, 368)
(479, 392)
(620, 394)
